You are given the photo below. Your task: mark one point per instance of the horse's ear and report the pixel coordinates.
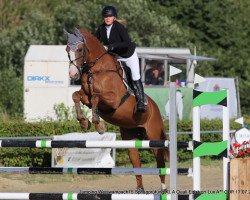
(66, 34)
(78, 33)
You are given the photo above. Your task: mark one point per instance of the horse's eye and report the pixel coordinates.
(79, 50)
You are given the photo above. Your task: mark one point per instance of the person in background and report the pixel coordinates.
(115, 36)
(179, 105)
(154, 76)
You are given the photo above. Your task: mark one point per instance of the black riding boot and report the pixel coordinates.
(141, 105)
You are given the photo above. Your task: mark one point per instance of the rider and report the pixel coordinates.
(115, 36)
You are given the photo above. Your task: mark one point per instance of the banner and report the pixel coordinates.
(216, 84)
(184, 97)
(79, 157)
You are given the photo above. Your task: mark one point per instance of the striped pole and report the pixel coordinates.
(210, 149)
(94, 171)
(214, 196)
(145, 144)
(196, 160)
(226, 132)
(83, 196)
(204, 98)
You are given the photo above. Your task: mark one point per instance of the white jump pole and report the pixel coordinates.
(226, 131)
(173, 140)
(16, 196)
(196, 161)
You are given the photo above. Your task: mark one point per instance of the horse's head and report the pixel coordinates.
(77, 53)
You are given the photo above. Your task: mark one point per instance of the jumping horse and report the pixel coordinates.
(104, 91)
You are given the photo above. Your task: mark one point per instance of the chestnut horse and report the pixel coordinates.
(103, 90)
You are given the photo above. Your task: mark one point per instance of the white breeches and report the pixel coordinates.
(133, 63)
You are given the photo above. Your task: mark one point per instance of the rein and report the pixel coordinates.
(92, 63)
(86, 68)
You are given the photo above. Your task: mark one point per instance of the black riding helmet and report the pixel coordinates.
(109, 11)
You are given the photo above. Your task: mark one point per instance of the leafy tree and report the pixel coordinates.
(14, 45)
(218, 29)
(11, 93)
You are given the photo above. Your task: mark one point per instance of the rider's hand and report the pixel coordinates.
(110, 47)
(105, 47)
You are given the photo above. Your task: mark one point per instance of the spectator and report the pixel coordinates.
(154, 76)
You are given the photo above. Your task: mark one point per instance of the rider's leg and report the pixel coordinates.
(133, 63)
(140, 96)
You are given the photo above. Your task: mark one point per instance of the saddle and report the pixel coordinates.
(127, 77)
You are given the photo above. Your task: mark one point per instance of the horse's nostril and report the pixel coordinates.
(68, 49)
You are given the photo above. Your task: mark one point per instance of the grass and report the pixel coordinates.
(189, 163)
(4, 117)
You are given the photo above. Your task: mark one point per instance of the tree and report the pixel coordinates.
(218, 29)
(14, 45)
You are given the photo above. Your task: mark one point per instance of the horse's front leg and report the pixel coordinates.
(99, 125)
(78, 97)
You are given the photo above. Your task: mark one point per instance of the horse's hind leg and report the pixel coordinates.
(78, 97)
(159, 155)
(135, 160)
(126, 134)
(156, 133)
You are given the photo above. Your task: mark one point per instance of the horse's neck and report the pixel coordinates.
(98, 54)
(95, 51)
(104, 61)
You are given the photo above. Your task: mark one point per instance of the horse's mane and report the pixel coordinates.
(91, 38)
(96, 49)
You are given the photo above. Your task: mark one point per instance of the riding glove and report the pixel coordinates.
(110, 47)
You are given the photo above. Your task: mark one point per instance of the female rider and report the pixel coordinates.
(115, 36)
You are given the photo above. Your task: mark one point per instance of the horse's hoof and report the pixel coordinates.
(89, 125)
(140, 191)
(164, 191)
(85, 124)
(95, 119)
(100, 127)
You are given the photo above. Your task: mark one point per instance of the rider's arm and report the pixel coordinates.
(125, 39)
(98, 34)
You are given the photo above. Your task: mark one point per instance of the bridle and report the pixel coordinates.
(85, 68)
(85, 65)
